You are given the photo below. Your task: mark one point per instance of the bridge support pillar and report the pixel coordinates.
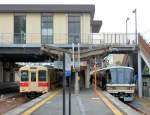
(139, 75)
(130, 60)
(8, 72)
(87, 76)
(1, 71)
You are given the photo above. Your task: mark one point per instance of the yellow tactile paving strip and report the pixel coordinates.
(33, 108)
(109, 104)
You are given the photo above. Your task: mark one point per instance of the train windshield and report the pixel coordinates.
(42, 75)
(24, 75)
(121, 76)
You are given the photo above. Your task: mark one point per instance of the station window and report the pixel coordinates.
(46, 29)
(24, 75)
(42, 75)
(73, 29)
(33, 76)
(19, 29)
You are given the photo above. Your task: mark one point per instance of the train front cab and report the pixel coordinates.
(34, 81)
(115, 81)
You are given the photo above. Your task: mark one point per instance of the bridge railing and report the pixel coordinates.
(65, 38)
(114, 39)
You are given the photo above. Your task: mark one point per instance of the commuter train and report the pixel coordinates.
(118, 81)
(36, 80)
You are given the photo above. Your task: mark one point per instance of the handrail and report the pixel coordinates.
(67, 38)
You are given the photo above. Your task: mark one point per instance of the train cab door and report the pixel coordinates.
(33, 80)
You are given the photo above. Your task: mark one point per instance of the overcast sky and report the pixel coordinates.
(113, 13)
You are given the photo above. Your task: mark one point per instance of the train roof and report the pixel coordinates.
(111, 67)
(27, 66)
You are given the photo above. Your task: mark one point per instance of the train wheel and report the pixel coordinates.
(31, 95)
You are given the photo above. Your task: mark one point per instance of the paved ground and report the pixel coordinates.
(83, 104)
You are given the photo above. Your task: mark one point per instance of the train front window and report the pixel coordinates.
(33, 76)
(121, 76)
(42, 75)
(129, 78)
(113, 76)
(24, 75)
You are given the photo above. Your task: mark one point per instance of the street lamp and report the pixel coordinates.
(127, 28)
(134, 11)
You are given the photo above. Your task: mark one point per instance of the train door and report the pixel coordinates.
(33, 81)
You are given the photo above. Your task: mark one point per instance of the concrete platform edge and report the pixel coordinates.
(22, 108)
(125, 109)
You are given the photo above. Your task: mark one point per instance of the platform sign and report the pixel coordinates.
(68, 64)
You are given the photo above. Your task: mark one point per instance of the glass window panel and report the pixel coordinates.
(50, 32)
(42, 75)
(121, 76)
(33, 76)
(74, 29)
(47, 30)
(113, 76)
(19, 29)
(24, 76)
(74, 19)
(44, 32)
(129, 78)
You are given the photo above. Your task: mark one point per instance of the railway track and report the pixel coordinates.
(12, 102)
(138, 110)
(8, 87)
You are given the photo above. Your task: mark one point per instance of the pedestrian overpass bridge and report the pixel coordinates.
(101, 44)
(105, 46)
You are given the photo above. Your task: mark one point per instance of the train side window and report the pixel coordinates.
(42, 75)
(33, 76)
(24, 75)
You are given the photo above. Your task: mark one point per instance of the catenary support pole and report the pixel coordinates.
(139, 75)
(64, 85)
(70, 95)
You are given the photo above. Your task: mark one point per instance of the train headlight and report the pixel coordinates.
(130, 88)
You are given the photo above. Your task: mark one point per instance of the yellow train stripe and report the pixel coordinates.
(36, 106)
(109, 104)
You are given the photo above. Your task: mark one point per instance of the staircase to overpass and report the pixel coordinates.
(144, 49)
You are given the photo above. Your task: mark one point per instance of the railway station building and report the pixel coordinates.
(25, 28)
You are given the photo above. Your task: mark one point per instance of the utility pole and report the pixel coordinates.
(127, 29)
(136, 37)
(64, 86)
(94, 76)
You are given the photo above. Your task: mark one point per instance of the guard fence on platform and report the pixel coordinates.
(63, 38)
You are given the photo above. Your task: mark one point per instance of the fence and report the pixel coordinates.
(63, 38)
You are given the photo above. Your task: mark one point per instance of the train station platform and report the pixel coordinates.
(85, 103)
